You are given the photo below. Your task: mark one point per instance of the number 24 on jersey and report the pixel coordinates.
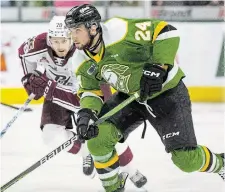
(143, 33)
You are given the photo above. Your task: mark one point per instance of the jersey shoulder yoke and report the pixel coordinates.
(114, 31)
(34, 45)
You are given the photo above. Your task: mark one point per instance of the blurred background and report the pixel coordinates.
(39, 11)
(200, 55)
(201, 25)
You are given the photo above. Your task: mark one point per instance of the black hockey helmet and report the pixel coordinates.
(84, 14)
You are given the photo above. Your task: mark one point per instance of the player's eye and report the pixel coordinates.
(76, 31)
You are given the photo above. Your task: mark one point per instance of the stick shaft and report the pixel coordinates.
(117, 108)
(14, 107)
(39, 163)
(18, 113)
(66, 144)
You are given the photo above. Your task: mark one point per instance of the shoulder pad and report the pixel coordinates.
(34, 44)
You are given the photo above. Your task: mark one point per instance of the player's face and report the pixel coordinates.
(60, 45)
(80, 36)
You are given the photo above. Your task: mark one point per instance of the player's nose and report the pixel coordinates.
(60, 47)
(74, 36)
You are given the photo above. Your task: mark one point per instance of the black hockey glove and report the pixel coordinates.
(151, 80)
(85, 128)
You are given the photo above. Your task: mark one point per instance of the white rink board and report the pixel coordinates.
(22, 146)
(198, 54)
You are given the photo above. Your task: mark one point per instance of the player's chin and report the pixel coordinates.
(61, 53)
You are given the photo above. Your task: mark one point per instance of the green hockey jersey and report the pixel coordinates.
(128, 45)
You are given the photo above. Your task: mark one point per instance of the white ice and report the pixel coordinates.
(22, 146)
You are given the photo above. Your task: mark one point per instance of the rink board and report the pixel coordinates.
(198, 94)
(200, 56)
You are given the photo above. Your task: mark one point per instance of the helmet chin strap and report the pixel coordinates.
(88, 46)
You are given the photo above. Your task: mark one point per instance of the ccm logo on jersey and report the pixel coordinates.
(152, 74)
(47, 88)
(171, 135)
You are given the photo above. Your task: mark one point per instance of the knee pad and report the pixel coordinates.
(54, 135)
(188, 160)
(105, 142)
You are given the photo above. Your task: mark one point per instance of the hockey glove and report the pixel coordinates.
(39, 85)
(85, 128)
(26, 84)
(151, 80)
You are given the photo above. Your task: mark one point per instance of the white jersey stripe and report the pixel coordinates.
(65, 104)
(33, 53)
(110, 174)
(167, 35)
(24, 65)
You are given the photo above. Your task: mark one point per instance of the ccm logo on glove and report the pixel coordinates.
(39, 85)
(49, 83)
(152, 74)
(151, 80)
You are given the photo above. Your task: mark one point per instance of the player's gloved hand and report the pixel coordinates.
(26, 84)
(151, 80)
(39, 85)
(85, 128)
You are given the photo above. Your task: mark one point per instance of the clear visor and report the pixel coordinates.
(60, 33)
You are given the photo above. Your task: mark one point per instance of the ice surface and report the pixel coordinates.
(22, 146)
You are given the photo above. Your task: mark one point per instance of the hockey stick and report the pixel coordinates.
(117, 108)
(39, 163)
(66, 144)
(21, 110)
(17, 108)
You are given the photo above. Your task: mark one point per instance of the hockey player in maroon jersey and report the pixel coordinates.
(47, 61)
(52, 53)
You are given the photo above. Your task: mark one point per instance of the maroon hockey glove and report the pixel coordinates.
(26, 84)
(39, 85)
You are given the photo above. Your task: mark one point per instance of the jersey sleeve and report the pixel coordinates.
(165, 42)
(90, 93)
(30, 50)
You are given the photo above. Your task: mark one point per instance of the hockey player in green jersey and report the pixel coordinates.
(133, 55)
